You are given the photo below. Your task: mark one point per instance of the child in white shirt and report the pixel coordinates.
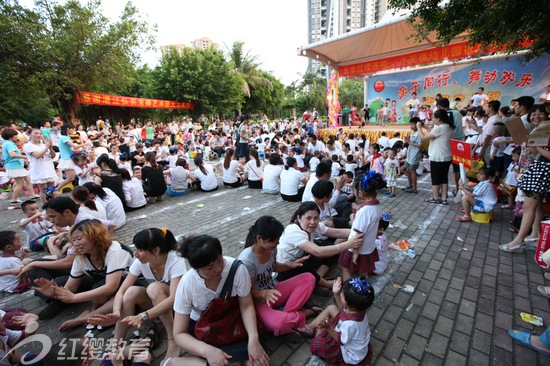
(382, 244)
(481, 199)
(351, 165)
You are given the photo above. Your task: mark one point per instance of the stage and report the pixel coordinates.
(371, 132)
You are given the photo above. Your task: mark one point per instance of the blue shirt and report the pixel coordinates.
(11, 162)
(64, 149)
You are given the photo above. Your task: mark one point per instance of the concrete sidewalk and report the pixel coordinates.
(467, 293)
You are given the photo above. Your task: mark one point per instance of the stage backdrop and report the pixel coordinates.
(502, 79)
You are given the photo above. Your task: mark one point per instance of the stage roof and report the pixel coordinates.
(384, 46)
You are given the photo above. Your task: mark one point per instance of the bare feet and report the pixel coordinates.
(172, 350)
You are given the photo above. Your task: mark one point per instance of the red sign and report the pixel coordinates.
(120, 101)
(450, 52)
(462, 153)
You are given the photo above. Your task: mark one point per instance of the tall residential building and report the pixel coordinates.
(201, 44)
(330, 18)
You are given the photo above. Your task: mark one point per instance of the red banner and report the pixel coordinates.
(120, 101)
(434, 55)
(462, 153)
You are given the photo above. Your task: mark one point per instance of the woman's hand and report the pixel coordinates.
(133, 321)
(25, 269)
(256, 354)
(104, 320)
(63, 294)
(45, 286)
(271, 296)
(218, 357)
(356, 241)
(298, 262)
(24, 320)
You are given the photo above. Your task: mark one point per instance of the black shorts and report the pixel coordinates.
(439, 171)
(456, 168)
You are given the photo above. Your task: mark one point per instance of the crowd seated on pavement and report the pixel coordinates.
(115, 169)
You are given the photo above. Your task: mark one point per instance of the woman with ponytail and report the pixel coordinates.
(109, 176)
(204, 177)
(281, 305)
(152, 176)
(291, 178)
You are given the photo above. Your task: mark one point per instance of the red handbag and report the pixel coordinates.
(221, 323)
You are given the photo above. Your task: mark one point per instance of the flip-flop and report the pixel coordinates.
(464, 218)
(544, 290)
(307, 333)
(431, 200)
(525, 340)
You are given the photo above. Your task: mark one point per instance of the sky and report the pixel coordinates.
(271, 30)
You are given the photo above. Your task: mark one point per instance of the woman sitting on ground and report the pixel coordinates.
(291, 179)
(133, 191)
(281, 305)
(150, 285)
(96, 273)
(230, 169)
(110, 201)
(297, 241)
(152, 176)
(179, 175)
(254, 170)
(272, 175)
(109, 176)
(197, 288)
(81, 196)
(204, 177)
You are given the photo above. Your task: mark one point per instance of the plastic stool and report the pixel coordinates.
(261, 154)
(482, 217)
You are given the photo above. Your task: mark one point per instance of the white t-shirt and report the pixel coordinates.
(208, 181)
(288, 249)
(366, 221)
(193, 297)
(133, 193)
(335, 169)
(290, 179)
(254, 173)
(41, 168)
(354, 337)
(230, 174)
(440, 147)
(174, 267)
(313, 162)
(9, 282)
(498, 150)
(113, 207)
(479, 99)
(117, 259)
(512, 175)
(383, 141)
(382, 246)
(85, 178)
(35, 229)
(100, 213)
(485, 193)
(272, 178)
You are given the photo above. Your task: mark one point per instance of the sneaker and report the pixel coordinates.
(387, 193)
(391, 195)
(16, 202)
(53, 308)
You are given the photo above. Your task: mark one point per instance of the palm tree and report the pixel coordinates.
(246, 67)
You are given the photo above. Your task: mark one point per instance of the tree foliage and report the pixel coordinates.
(264, 98)
(351, 92)
(64, 49)
(204, 77)
(491, 23)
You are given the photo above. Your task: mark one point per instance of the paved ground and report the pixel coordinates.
(467, 293)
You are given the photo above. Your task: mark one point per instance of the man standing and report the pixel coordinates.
(486, 139)
(522, 109)
(480, 99)
(413, 103)
(244, 137)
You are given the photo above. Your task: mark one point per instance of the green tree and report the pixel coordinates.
(266, 99)
(204, 77)
(72, 47)
(246, 68)
(351, 92)
(312, 92)
(499, 24)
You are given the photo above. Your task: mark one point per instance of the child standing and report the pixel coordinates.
(481, 199)
(37, 229)
(82, 170)
(391, 168)
(511, 179)
(497, 151)
(363, 259)
(382, 244)
(11, 265)
(345, 339)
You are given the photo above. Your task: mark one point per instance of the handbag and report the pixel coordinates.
(221, 323)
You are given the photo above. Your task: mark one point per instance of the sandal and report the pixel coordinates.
(464, 218)
(153, 335)
(513, 230)
(517, 249)
(431, 200)
(443, 202)
(524, 339)
(544, 290)
(305, 331)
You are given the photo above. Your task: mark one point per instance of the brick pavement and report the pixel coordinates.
(467, 293)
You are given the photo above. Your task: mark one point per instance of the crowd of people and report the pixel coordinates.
(110, 170)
